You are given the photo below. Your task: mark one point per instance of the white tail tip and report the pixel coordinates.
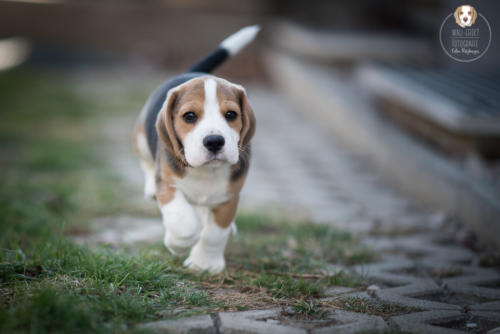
(237, 41)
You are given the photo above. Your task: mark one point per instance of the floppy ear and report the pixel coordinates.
(247, 117)
(165, 125)
(457, 18)
(474, 15)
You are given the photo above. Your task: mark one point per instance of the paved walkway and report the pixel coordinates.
(296, 165)
(298, 168)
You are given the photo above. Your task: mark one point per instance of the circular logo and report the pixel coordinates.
(465, 34)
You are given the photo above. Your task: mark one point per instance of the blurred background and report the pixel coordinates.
(370, 76)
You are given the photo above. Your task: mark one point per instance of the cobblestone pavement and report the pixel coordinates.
(300, 169)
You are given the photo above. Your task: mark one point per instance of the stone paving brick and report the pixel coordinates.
(383, 271)
(491, 306)
(469, 283)
(196, 324)
(416, 303)
(420, 322)
(338, 290)
(351, 322)
(254, 322)
(493, 316)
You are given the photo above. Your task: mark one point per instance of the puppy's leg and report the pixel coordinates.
(147, 164)
(208, 253)
(182, 223)
(149, 179)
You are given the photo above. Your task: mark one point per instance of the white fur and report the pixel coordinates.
(237, 41)
(466, 16)
(182, 224)
(147, 167)
(149, 180)
(208, 253)
(205, 185)
(212, 123)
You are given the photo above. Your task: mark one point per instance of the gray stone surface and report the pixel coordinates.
(350, 322)
(327, 185)
(491, 306)
(419, 322)
(191, 325)
(124, 230)
(272, 321)
(494, 331)
(337, 103)
(338, 291)
(254, 322)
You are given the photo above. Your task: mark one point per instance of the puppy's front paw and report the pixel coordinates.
(183, 228)
(178, 245)
(198, 260)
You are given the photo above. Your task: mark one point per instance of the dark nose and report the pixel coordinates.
(465, 19)
(213, 143)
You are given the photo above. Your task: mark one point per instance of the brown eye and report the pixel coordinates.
(190, 117)
(231, 115)
(461, 13)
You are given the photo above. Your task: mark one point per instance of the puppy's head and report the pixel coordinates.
(465, 15)
(206, 121)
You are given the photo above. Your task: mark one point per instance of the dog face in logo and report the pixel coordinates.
(465, 16)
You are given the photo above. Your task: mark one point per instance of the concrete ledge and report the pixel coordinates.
(342, 109)
(349, 47)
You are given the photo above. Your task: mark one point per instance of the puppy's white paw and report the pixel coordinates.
(198, 260)
(180, 245)
(182, 224)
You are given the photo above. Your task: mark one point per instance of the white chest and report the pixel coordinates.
(206, 186)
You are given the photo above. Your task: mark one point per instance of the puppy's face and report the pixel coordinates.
(465, 16)
(206, 121)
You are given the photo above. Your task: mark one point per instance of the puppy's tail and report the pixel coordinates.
(229, 47)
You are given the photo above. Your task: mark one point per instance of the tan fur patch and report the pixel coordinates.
(225, 212)
(164, 179)
(457, 14)
(474, 15)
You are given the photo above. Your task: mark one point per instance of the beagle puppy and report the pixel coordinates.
(465, 16)
(192, 138)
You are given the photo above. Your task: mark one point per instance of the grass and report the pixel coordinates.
(54, 181)
(372, 307)
(308, 310)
